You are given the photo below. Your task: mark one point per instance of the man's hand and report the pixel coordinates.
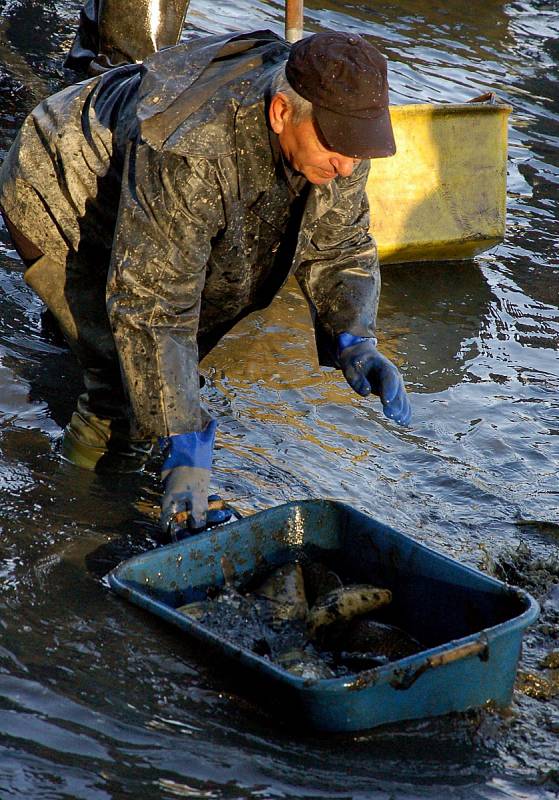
(186, 478)
(366, 370)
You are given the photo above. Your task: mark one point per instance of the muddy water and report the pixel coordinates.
(96, 700)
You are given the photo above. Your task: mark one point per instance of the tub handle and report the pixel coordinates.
(405, 678)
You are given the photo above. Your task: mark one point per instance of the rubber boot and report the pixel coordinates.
(113, 32)
(101, 444)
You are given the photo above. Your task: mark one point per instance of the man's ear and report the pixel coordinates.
(279, 112)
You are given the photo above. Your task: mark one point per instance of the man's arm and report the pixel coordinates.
(170, 210)
(339, 274)
(340, 277)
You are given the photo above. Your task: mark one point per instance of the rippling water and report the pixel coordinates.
(96, 699)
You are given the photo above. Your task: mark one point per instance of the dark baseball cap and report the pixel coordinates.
(344, 77)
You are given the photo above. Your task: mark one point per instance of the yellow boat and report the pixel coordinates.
(443, 195)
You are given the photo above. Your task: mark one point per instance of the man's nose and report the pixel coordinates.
(343, 165)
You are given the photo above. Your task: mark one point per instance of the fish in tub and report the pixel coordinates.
(304, 619)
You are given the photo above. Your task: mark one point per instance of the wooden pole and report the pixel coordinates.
(293, 20)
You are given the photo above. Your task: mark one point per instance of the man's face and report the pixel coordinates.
(304, 150)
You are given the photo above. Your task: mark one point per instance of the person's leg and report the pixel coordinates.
(99, 435)
(114, 32)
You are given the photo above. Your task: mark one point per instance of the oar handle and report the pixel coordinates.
(181, 517)
(293, 20)
(177, 527)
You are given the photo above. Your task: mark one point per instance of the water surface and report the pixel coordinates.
(97, 700)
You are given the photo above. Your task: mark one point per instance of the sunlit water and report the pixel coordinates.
(97, 700)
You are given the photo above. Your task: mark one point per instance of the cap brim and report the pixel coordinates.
(357, 137)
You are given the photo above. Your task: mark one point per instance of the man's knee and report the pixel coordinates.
(25, 249)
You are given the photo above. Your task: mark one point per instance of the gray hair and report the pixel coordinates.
(301, 109)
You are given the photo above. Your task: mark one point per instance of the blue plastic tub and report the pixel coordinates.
(471, 624)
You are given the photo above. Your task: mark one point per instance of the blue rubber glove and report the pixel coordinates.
(366, 370)
(186, 474)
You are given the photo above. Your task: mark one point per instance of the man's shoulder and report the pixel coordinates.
(190, 93)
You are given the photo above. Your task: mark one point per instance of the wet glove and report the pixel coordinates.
(366, 370)
(186, 474)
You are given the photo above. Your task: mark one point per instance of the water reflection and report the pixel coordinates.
(443, 53)
(29, 47)
(276, 349)
(532, 246)
(433, 313)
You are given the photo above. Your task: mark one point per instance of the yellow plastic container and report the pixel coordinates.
(443, 195)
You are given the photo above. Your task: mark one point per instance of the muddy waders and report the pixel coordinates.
(99, 436)
(113, 32)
